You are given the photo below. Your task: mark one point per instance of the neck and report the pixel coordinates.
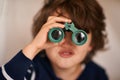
(69, 73)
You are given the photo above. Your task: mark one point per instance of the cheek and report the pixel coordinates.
(81, 54)
(83, 50)
(52, 52)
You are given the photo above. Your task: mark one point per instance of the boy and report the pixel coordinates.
(43, 59)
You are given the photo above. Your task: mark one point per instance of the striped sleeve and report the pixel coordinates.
(16, 68)
(6, 76)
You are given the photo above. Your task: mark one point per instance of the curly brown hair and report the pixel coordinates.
(86, 14)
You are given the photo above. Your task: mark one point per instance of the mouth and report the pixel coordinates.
(66, 53)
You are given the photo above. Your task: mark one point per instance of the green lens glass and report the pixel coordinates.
(56, 35)
(79, 37)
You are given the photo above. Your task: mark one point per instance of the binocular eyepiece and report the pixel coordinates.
(79, 37)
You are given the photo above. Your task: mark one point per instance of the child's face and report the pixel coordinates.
(66, 54)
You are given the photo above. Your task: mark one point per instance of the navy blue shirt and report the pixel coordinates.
(17, 69)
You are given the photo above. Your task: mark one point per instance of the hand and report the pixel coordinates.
(41, 42)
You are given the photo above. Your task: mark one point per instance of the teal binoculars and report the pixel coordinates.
(79, 37)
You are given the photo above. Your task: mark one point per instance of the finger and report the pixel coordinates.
(52, 25)
(53, 19)
(60, 25)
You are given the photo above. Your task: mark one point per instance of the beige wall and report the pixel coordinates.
(110, 59)
(16, 18)
(15, 31)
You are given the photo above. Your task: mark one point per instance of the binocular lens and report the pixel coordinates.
(79, 38)
(56, 34)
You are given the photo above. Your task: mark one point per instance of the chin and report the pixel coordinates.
(64, 65)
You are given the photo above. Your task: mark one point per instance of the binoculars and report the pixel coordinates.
(79, 37)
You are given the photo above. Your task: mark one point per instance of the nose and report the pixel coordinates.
(67, 40)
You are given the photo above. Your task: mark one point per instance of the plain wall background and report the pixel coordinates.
(16, 17)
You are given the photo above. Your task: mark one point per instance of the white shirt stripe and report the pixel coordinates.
(5, 74)
(33, 75)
